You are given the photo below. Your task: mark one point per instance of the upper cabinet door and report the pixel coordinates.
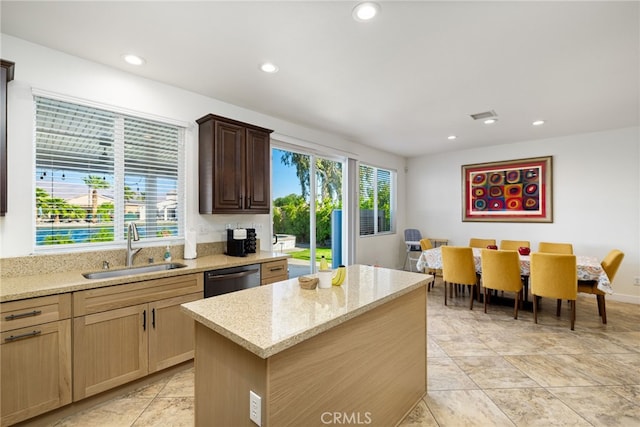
(234, 166)
(258, 172)
(228, 176)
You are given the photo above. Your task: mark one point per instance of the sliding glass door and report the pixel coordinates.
(307, 192)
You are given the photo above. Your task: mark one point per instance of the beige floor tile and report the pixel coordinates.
(114, 413)
(168, 411)
(493, 372)
(554, 370)
(444, 374)
(433, 349)
(629, 392)
(465, 408)
(462, 345)
(535, 407)
(420, 416)
(180, 385)
(599, 405)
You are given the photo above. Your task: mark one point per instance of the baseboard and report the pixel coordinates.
(633, 299)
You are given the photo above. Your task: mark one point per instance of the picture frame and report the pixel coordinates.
(508, 191)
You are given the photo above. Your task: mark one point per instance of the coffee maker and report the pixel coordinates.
(236, 239)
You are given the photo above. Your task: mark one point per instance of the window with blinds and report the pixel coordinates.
(376, 195)
(98, 170)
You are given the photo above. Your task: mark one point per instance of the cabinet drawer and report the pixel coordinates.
(114, 297)
(274, 271)
(34, 311)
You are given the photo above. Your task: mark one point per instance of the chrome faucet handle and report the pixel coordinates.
(105, 265)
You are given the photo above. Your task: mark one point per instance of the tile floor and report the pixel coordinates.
(483, 370)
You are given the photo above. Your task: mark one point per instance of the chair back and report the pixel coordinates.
(425, 244)
(554, 275)
(513, 245)
(458, 266)
(555, 248)
(501, 270)
(481, 243)
(412, 235)
(611, 262)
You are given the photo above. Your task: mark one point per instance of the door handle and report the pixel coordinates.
(144, 320)
(21, 336)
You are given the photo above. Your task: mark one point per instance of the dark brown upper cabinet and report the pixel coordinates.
(234, 166)
(6, 70)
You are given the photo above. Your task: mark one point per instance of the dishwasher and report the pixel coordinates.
(225, 280)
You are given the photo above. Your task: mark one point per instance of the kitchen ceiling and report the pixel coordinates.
(402, 83)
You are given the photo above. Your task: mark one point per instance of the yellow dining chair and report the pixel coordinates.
(610, 266)
(481, 243)
(501, 271)
(555, 248)
(554, 276)
(458, 268)
(424, 245)
(513, 245)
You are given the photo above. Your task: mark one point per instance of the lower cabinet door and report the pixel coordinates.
(35, 371)
(109, 349)
(172, 332)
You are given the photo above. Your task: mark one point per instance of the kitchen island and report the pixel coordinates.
(351, 354)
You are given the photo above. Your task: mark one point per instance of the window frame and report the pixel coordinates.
(119, 222)
(392, 200)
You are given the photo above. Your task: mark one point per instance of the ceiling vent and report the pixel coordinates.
(485, 115)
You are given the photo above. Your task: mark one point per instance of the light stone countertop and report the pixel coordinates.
(269, 319)
(36, 285)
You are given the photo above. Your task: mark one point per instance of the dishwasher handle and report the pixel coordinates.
(214, 277)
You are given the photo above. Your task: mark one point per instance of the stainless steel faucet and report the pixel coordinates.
(132, 233)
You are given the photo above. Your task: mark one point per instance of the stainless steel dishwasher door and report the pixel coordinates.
(225, 280)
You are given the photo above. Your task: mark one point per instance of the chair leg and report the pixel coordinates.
(604, 310)
(518, 298)
(485, 300)
(472, 291)
(535, 309)
(573, 313)
(445, 293)
(558, 307)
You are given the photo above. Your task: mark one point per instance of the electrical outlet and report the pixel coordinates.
(255, 408)
(637, 281)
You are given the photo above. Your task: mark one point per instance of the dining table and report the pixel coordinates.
(589, 267)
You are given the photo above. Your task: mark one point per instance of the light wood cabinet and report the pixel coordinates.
(35, 356)
(274, 271)
(125, 332)
(234, 166)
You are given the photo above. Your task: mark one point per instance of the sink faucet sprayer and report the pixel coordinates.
(132, 233)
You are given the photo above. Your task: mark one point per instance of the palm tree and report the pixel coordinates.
(329, 174)
(95, 183)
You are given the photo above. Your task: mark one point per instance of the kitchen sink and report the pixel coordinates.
(106, 274)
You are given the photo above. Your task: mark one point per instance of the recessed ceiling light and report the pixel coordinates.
(133, 59)
(538, 123)
(268, 67)
(365, 11)
(490, 121)
(451, 137)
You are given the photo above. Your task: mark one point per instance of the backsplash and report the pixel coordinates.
(92, 261)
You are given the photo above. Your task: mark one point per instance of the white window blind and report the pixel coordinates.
(97, 170)
(376, 195)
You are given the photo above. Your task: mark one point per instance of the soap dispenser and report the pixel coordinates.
(167, 254)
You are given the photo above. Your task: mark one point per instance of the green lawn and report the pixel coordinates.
(306, 254)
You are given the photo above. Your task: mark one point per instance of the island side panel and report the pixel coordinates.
(224, 374)
(370, 369)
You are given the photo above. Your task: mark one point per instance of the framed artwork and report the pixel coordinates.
(508, 191)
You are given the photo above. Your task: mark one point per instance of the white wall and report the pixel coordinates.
(596, 198)
(53, 71)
